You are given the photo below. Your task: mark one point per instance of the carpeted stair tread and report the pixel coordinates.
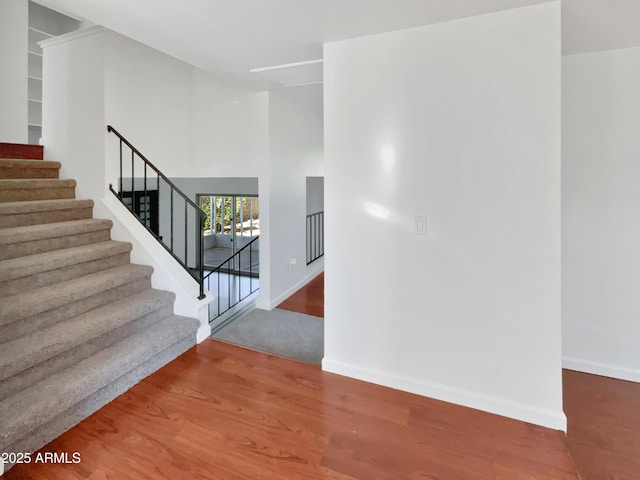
(28, 161)
(30, 350)
(44, 299)
(42, 262)
(42, 402)
(35, 183)
(79, 324)
(29, 240)
(24, 189)
(20, 162)
(52, 230)
(33, 212)
(18, 168)
(32, 206)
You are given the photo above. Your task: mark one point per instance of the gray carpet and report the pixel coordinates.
(279, 332)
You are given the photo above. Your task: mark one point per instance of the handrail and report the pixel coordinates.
(199, 215)
(229, 269)
(315, 236)
(155, 169)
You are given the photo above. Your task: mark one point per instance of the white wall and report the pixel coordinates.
(14, 20)
(601, 213)
(295, 142)
(189, 124)
(186, 121)
(230, 128)
(148, 100)
(458, 122)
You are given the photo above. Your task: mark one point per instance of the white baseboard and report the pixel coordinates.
(262, 303)
(527, 413)
(602, 369)
(312, 272)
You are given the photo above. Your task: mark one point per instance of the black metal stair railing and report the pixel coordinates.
(233, 280)
(315, 236)
(149, 197)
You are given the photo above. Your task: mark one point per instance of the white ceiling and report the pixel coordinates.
(231, 37)
(594, 25)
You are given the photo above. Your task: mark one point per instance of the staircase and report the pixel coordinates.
(79, 324)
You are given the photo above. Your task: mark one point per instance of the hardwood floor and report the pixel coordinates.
(604, 425)
(223, 412)
(309, 299)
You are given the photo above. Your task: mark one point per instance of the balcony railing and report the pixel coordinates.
(233, 280)
(315, 236)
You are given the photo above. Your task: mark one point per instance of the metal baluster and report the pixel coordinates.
(201, 255)
(171, 218)
(120, 191)
(322, 233)
(146, 205)
(133, 180)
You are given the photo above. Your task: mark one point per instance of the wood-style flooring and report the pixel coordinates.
(309, 299)
(603, 434)
(223, 412)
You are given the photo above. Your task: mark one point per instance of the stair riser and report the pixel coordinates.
(27, 325)
(47, 432)
(22, 195)
(22, 249)
(33, 374)
(17, 172)
(51, 277)
(20, 150)
(37, 218)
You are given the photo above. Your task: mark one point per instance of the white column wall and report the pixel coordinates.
(14, 20)
(295, 141)
(601, 213)
(73, 130)
(458, 122)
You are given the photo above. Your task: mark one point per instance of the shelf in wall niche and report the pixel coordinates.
(35, 125)
(35, 66)
(41, 32)
(35, 100)
(34, 89)
(34, 78)
(36, 36)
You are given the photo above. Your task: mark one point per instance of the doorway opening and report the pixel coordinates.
(232, 223)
